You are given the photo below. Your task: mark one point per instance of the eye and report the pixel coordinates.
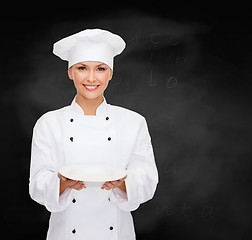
(101, 69)
(81, 68)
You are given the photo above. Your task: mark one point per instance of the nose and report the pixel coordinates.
(91, 76)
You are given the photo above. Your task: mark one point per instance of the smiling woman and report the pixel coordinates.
(90, 131)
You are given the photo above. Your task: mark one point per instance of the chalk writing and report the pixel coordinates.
(186, 210)
(165, 123)
(207, 211)
(153, 38)
(171, 82)
(164, 210)
(170, 167)
(152, 83)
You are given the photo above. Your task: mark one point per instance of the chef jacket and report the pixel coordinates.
(115, 136)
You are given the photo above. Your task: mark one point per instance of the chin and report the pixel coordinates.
(91, 96)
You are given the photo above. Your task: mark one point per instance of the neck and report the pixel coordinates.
(89, 106)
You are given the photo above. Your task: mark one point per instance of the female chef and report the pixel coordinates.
(91, 131)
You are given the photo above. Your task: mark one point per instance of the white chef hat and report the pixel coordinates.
(89, 45)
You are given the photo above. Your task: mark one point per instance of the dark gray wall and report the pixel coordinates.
(187, 70)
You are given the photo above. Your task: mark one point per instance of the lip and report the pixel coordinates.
(90, 89)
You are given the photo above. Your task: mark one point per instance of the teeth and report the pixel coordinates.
(91, 87)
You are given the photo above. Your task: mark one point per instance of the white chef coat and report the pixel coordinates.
(115, 136)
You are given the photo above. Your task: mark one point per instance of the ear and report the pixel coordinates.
(70, 75)
(110, 74)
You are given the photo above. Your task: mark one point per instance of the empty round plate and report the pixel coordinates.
(90, 172)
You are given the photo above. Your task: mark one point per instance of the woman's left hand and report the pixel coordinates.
(114, 184)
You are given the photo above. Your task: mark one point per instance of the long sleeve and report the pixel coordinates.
(142, 174)
(44, 182)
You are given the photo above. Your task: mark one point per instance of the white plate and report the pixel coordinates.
(89, 172)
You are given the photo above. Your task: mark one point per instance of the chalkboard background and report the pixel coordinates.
(186, 69)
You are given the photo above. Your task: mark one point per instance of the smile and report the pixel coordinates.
(90, 87)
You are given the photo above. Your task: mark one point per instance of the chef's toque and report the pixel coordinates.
(89, 45)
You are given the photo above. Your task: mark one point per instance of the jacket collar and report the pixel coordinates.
(102, 109)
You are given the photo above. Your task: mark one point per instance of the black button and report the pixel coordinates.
(109, 138)
(74, 231)
(107, 118)
(109, 198)
(71, 138)
(111, 228)
(74, 200)
(71, 120)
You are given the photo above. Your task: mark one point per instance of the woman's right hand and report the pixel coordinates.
(69, 183)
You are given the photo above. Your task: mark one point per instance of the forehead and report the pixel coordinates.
(91, 63)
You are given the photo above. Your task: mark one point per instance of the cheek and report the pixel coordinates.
(104, 78)
(78, 79)
(77, 83)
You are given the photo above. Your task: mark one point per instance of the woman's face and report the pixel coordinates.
(90, 78)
